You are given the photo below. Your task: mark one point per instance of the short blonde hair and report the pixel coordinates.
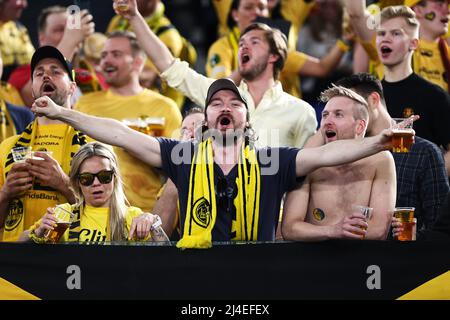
(404, 12)
(361, 110)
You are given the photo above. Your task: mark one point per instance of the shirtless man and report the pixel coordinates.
(322, 207)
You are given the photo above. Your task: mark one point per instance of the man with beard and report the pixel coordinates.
(121, 61)
(28, 189)
(229, 190)
(324, 206)
(53, 30)
(278, 118)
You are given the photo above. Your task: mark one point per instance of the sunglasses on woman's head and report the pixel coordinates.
(87, 178)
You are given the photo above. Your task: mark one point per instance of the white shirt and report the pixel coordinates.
(280, 120)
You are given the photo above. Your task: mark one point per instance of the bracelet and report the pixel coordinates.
(342, 45)
(157, 223)
(35, 238)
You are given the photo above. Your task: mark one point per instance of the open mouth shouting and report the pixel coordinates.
(385, 51)
(224, 122)
(330, 135)
(47, 89)
(245, 58)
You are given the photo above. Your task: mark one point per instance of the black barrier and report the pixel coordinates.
(273, 271)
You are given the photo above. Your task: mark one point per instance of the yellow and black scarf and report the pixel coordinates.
(201, 208)
(7, 128)
(72, 143)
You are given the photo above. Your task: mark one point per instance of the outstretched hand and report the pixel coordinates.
(125, 8)
(386, 135)
(45, 107)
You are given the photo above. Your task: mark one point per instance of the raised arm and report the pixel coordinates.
(383, 197)
(340, 152)
(359, 19)
(105, 130)
(344, 151)
(155, 49)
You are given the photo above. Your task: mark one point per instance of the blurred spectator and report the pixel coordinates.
(15, 45)
(293, 11)
(278, 118)
(54, 30)
(323, 27)
(153, 13)
(13, 119)
(223, 54)
(121, 62)
(89, 75)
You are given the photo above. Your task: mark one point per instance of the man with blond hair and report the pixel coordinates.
(406, 92)
(324, 206)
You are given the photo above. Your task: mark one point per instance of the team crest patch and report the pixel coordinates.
(215, 59)
(408, 112)
(202, 213)
(318, 214)
(15, 215)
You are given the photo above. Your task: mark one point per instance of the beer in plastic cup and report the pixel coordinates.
(64, 220)
(20, 154)
(365, 211)
(406, 217)
(156, 125)
(402, 138)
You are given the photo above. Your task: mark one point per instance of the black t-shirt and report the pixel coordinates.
(415, 95)
(277, 166)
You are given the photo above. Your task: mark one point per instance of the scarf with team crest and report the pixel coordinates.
(201, 208)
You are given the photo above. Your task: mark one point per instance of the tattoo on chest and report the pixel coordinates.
(318, 214)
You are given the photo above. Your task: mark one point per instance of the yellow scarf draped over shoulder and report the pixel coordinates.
(74, 140)
(201, 211)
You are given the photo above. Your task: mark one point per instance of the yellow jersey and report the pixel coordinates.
(15, 46)
(168, 34)
(294, 11)
(23, 212)
(10, 94)
(141, 182)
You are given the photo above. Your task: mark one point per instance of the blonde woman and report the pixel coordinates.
(101, 211)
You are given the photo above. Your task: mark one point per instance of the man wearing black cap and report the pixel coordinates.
(278, 118)
(28, 189)
(228, 189)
